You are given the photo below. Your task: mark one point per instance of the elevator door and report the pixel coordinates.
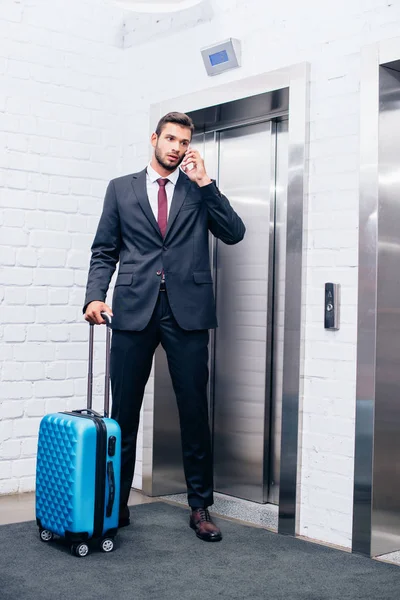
(246, 350)
(245, 403)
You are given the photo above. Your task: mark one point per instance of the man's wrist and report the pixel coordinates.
(204, 181)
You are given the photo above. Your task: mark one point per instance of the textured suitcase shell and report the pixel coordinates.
(78, 470)
(66, 474)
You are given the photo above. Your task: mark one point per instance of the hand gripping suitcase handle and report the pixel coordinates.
(107, 319)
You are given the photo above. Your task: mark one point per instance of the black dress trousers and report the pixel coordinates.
(187, 354)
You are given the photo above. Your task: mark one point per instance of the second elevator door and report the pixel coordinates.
(247, 346)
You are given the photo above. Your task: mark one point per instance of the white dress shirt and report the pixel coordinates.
(153, 187)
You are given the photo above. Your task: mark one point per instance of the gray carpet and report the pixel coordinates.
(160, 558)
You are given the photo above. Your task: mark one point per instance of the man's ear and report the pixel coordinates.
(153, 139)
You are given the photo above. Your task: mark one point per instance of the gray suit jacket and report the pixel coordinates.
(128, 233)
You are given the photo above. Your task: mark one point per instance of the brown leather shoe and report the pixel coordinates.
(204, 526)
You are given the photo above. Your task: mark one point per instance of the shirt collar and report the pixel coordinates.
(153, 175)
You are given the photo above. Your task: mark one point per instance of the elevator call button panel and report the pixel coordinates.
(332, 291)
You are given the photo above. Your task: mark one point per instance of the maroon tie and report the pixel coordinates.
(162, 206)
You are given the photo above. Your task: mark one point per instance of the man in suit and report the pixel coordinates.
(155, 224)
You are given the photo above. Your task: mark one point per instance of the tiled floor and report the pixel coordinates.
(393, 557)
(21, 507)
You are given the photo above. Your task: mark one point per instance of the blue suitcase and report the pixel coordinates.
(78, 472)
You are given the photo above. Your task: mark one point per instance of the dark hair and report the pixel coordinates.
(177, 118)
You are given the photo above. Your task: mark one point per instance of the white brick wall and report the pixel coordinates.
(60, 143)
(74, 111)
(275, 35)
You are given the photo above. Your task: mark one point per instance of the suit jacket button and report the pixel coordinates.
(158, 272)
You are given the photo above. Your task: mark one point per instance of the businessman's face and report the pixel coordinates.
(170, 146)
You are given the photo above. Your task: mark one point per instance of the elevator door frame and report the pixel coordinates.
(376, 522)
(296, 78)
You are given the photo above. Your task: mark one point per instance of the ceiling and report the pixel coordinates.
(158, 6)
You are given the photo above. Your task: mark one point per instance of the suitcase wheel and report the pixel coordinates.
(45, 535)
(107, 545)
(80, 550)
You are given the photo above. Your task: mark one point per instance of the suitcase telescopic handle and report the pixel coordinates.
(107, 319)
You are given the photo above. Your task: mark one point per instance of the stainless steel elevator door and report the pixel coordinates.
(243, 294)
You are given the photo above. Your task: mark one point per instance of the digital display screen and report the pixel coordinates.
(218, 58)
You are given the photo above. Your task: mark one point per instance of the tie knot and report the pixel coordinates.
(162, 182)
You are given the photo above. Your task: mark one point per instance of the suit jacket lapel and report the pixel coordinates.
(140, 190)
(181, 190)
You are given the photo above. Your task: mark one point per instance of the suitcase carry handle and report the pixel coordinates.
(108, 321)
(111, 488)
(87, 411)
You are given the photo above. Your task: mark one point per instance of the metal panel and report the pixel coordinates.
(241, 405)
(168, 477)
(294, 307)
(376, 522)
(366, 327)
(386, 466)
(211, 153)
(251, 109)
(278, 287)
